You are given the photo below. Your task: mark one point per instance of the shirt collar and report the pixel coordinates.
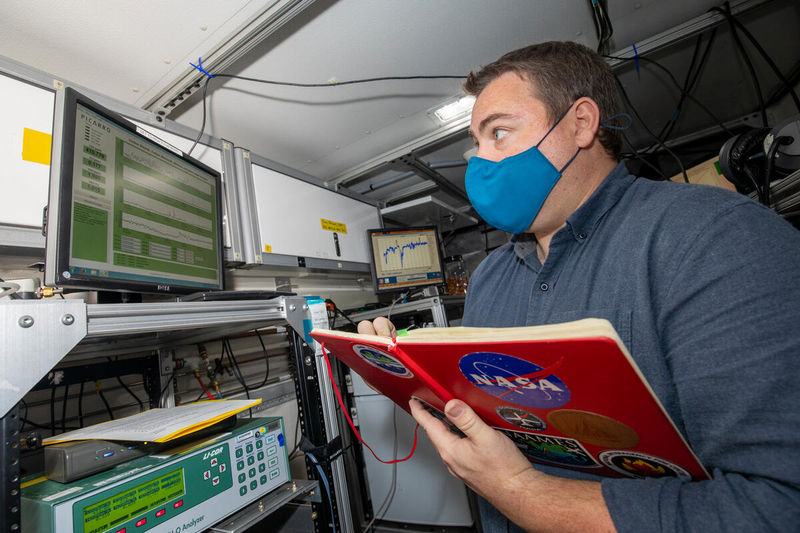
(584, 220)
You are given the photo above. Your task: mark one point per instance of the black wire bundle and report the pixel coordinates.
(602, 23)
(337, 310)
(103, 398)
(119, 380)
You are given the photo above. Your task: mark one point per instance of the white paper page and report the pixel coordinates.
(155, 423)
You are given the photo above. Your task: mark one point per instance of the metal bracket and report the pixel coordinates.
(36, 335)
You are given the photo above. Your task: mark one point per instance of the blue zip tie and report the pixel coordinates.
(199, 66)
(635, 58)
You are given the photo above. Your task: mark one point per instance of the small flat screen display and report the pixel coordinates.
(404, 259)
(133, 502)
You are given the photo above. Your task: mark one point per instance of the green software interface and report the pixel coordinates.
(139, 211)
(133, 502)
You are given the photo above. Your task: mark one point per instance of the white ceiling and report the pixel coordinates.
(122, 49)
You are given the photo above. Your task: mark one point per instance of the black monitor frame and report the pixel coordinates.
(404, 288)
(58, 219)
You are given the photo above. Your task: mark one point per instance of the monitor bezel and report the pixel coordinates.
(405, 288)
(58, 222)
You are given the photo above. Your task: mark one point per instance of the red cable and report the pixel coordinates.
(204, 388)
(353, 427)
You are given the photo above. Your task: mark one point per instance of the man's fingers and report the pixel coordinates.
(384, 327)
(465, 419)
(436, 430)
(365, 328)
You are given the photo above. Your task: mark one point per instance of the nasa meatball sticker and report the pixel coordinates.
(439, 415)
(521, 418)
(515, 380)
(554, 450)
(382, 360)
(640, 465)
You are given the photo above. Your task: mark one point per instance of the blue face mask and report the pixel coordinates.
(508, 194)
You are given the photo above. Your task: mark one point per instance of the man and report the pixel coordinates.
(702, 285)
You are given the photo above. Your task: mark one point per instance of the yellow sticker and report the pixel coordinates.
(36, 146)
(330, 225)
(268, 248)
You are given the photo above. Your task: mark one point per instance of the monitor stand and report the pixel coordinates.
(112, 297)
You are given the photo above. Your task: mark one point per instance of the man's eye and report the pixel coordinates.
(499, 134)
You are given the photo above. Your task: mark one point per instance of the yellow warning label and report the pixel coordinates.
(330, 225)
(36, 146)
(268, 248)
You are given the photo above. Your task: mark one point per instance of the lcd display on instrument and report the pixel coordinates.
(132, 502)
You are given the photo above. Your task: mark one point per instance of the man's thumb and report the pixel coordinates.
(464, 418)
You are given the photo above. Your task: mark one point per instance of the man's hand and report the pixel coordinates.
(380, 326)
(486, 460)
(491, 465)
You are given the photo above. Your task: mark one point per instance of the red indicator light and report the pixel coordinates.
(141, 522)
(161, 513)
(177, 504)
(121, 530)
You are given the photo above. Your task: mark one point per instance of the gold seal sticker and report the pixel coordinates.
(591, 428)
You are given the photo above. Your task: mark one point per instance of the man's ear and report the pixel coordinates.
(587, 121)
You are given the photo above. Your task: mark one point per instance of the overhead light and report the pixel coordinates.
(452, 109)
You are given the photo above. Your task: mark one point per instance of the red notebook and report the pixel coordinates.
(568, 395)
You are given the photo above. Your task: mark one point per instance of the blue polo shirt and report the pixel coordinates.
(703, 286)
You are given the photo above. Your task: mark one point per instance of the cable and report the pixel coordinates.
(350, 421)
(226, 346)
(119, 380)
(80, 404)
(25, 405)
(773, 149)
(266, 358)
(324, 480)
(754, 181)
(163, 390)
(635, 112)
(389, 314)
(203, 386)
(642, 159)
(296, 437)
(728, 15)
(678, 85)
(749, 65)
(337, 310)
(307, 85)
(387, 502)
(103, 397)
(64, 409)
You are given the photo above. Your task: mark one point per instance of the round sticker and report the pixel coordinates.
(382, 360)
(515, 380)
(521, 418)
(591, 428)
(640, 465)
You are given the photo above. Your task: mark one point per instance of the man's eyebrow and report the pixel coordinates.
(492, 118)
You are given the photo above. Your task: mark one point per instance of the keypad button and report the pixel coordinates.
(240, 465)
(249, 448)
(271, 450)
(273, 462)
(261, 467)
(260, 456)
(263, 479)
(251, 460)
(253, 485)
(242, 491)
(259, 444)
(251, 472)
(222, 468)
(242, 478)
(274, 474)
(239, 452)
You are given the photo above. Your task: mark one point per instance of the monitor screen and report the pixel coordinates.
(127, 211)
(404, 259)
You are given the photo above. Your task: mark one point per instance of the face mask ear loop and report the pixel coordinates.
(569, 162)
(554, 126)
(606, 123)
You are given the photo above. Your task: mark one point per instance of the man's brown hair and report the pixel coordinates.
(559, 73)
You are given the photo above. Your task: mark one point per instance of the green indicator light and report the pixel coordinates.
(96, 458)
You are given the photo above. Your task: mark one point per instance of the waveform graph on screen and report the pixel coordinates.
(399, 252)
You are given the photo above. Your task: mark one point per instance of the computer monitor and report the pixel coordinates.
(404, 259)
(127, 211)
